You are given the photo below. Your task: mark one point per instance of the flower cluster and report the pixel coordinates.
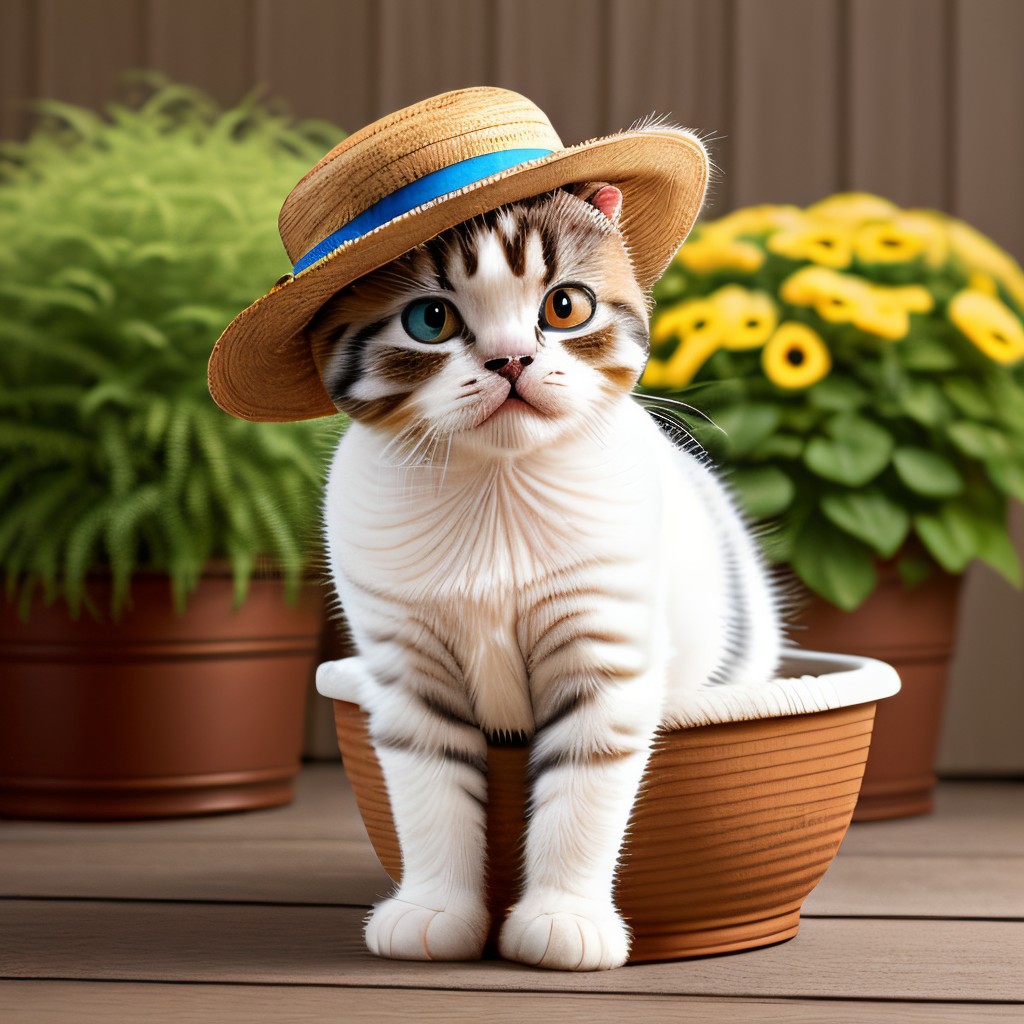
(864, 369)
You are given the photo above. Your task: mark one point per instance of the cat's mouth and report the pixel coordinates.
(512, 402)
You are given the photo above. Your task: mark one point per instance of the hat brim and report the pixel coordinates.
(262, 367)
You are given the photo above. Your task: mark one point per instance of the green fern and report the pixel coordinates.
(130, 240)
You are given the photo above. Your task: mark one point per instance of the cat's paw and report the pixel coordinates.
(564, 933)
(345, 679)
(402, 930)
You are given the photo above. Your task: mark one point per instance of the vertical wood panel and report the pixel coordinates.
(985, 719)
(787, 131)
(206, 43)
(898, 99)
(555, 52)
(424, 49)
(989, 119)
(70, 33)
(17, 38)
(673, 57)
(315, 54)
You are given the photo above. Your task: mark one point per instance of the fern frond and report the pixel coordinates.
(121, 538)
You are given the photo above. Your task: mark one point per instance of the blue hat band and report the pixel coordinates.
(424, 190)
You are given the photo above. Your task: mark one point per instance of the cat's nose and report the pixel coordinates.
(509, 367)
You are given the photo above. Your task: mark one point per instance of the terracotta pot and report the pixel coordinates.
(735, 825)
(160, 714)
(914, 631)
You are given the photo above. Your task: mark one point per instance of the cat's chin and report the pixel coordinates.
(514, 427)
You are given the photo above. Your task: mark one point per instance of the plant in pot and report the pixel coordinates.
(862, 371)
(160, 622)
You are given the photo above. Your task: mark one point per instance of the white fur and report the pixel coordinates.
(566, 549)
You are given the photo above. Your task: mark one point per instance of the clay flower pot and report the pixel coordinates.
(913, 630)
(737, 821)
(159, 714)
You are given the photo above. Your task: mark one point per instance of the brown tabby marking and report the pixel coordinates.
(406, 367)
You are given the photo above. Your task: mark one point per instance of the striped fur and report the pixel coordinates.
(522, 553)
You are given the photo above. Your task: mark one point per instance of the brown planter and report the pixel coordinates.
(736, 824)
(914, 631)
(160, 714)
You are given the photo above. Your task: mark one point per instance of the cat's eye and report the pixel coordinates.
(567, 306)
(430, 320)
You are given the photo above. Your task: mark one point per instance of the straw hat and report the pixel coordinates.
(412, 175)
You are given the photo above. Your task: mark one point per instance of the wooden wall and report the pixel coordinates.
(920, 100)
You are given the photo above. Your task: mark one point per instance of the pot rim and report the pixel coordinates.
(809, 681)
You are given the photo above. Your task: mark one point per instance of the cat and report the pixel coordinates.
(521, 552)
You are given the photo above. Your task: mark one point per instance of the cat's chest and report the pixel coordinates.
(481, 530)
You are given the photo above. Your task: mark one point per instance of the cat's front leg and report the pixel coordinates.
(434, 764)
(587, 765)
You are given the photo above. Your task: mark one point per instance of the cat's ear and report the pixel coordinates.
(607, 199)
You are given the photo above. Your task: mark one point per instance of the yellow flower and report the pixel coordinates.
(718, 250)
(696, 317)
(854, 207)
(795, 357)
(824, 242)
(984, 283)
(888, 242)
(747, 318)
(989, 324)
(757, 220)
(684, 363)
(978, 253)
(914, 298)
(835, 297)
(887, 314)
(848, 299)
(931, 228)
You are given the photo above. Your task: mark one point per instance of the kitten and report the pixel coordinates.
(521, 552)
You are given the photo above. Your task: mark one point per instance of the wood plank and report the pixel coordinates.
(425, 49)
(971, 819)
(787, 130)
(17, 83)
(28, 1002)
(71, 33)
(989, 154)
(324, 808)
(555, 53)
(964, 861)
(209, 45)
(347, 872)
(898, 101)
(300, 871)
(940, 887)
(674, 58)
(841, 958)
(316, 55)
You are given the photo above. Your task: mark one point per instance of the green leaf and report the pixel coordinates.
(929, 354)
(1008, 475)
(922, 400)
(855, 451)
(871, 516)
(834, 565)
(969, 397)
(764, 491)
(927, 473)
(747, 425)
(778, 446)
(979, 441)
(996, 549)
(1007, 399)
(837, 394)
(950, 535)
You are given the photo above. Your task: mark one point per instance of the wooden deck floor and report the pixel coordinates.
(257, 917)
